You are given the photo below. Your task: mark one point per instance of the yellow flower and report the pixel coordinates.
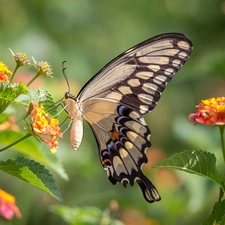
(45, 127)
(210, 112)
(4, 72)
(8, 206)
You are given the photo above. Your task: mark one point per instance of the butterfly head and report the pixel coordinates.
(67, 95)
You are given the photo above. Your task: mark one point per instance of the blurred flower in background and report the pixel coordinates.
(8, 206)
(10, 124)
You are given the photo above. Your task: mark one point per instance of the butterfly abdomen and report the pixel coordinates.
(76, 133)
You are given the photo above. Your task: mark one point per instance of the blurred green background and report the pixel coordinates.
(88, 34)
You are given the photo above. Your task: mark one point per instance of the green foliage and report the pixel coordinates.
(85, 215)
(25, 169)
(9, 93)
(88, 34)
(33, 173)
(196, 162)
(43, 97)
(216, 216)
(203, 164)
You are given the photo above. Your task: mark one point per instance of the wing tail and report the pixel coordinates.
(149, 191)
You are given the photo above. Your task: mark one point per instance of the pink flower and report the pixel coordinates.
(8, 206)
(43, 68)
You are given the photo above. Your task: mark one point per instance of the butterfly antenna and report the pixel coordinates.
(64, 74)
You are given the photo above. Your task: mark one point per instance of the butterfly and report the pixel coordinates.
(114, 101)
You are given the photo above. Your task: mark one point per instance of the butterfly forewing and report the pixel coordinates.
(115, 99)
(138, 76)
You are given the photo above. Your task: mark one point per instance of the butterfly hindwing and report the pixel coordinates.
(123, 138)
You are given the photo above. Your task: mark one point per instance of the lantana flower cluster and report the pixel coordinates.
(21, 59)
(45, 127)
(43, 68)
(210, 112)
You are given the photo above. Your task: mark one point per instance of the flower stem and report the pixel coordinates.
(34, 78)
(14, 72)
(218, 204)
(16, 142)
(222, 141)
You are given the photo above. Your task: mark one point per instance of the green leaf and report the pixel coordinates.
(195, 162)
(78, 216)
(217, 215)
(85, 215)
(4, 117)
(9, 92)
(33, 173)
(30, 148)
(23, 99)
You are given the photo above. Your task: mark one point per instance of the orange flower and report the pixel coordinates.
(8, 206)
(210, 112)
(4, 72)
(45, 127)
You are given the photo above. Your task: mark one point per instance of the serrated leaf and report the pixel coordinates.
(196, 162)
(30, 148)
(33, 173)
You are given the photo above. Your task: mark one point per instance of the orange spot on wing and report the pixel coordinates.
(115, 135)
(105, 161)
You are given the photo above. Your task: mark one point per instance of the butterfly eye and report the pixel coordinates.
(67, 95)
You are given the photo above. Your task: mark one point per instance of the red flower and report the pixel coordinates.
(45, 127)
(210, 112)
(8, 206)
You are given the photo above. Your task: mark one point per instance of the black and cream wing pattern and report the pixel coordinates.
(114, 101)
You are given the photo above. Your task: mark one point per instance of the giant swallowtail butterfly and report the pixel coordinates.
(114, 100)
